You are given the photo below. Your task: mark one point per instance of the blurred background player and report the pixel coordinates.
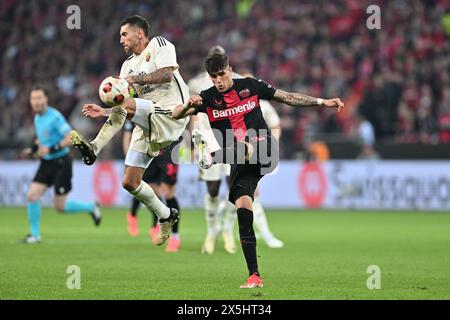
(161, 175)
(364, 133)
(213, 176)
(55, 169)
(152, 69)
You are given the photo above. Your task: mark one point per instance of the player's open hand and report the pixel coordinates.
(333, 103)
(194, 101)
(92, 110)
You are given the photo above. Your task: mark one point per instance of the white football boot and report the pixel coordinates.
(205, 159)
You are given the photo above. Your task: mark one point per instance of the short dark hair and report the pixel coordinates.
(216, 62)
(137, 21)
(39, 88)
(216, 49)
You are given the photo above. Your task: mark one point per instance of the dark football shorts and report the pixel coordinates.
(162, 169)
(57, 173)
(245, 177)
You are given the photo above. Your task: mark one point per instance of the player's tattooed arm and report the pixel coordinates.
(302, 100)
(163, 75)
(295, 99)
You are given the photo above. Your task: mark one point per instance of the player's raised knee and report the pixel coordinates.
(130, 184)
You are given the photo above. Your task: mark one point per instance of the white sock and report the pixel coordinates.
(113, 125)
(211, 214)
(259, 217)
(230, 217)
(220, 214)
(147, 196)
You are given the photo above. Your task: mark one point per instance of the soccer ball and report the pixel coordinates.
(114, 91)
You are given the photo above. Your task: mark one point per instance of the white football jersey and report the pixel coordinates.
(159, 53)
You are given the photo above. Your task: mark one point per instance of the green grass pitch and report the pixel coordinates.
(326, 256)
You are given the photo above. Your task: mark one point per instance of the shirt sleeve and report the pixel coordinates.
(165, 54)
(263, 89)
(62, 126)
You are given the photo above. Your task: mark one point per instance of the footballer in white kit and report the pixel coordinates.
(155, 130)
(152, 69)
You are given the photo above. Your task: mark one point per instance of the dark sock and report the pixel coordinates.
(248, 239)
(173, 203)
(135, 207)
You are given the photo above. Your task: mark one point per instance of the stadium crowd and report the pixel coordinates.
(396, 77)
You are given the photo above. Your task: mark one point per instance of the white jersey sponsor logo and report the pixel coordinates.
(242, 109)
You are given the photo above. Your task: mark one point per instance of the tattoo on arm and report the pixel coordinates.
(162, 75)
(295, 99)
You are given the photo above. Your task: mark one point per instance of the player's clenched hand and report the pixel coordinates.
(195, 100)
(333, 103)
(92, 110)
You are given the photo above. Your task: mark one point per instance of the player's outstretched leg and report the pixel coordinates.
(248, 239)
(114, 123)
(84, 146)
(65, 206)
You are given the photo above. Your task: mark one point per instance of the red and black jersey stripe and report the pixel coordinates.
(237, 110)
